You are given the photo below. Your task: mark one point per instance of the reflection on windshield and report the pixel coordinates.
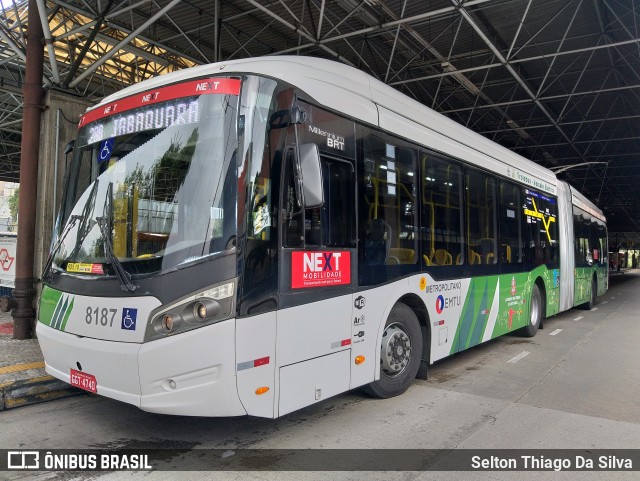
(174, 188)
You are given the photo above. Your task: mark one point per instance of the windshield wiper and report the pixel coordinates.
(47, 273)
(103, 223)
(85, 221)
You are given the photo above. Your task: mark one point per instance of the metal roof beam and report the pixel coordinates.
(87, 44)
(300, 32)
(522, 60)
(355, 10)
(185, 36)
(513, 72)
(515, 37)
(128, 31)
(42, 11)
(564, 38)
(75, 31)
(117, 11)
(617, 139)
(395, 41)
(545, 98)
(378, 28)
(539, 31)
(6, 36)
(544, 126)
(92, 68)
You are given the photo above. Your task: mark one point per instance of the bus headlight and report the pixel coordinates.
(198, 309)
(201, 310)
(167, 323)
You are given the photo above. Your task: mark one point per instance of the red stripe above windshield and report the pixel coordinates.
(215, 85)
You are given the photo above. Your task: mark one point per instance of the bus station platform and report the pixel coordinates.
(23, 380)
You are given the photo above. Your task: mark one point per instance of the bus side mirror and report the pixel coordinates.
(69, 147)
(311, 175)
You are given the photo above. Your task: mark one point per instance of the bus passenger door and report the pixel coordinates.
(317, 270)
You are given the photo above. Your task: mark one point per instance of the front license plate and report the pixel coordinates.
(83, 381)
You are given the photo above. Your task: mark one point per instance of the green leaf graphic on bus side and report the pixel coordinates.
(55, 308)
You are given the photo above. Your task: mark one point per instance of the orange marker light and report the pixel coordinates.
(262, 390)
(359, 360)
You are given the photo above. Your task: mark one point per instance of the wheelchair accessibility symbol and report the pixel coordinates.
(105, 150)
(129, 319)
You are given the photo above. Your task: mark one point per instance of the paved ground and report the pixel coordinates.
(23, 380)
(575, 385)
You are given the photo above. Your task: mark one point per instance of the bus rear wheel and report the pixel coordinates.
(592, 298)
(535, 316)
(400, 352)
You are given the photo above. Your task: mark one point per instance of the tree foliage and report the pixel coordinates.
(13, 204)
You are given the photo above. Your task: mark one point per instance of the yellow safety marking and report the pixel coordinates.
(21, 367)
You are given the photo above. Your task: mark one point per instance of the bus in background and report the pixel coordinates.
(254, 236)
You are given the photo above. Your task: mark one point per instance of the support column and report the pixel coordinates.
(23, 313)
(59, 126)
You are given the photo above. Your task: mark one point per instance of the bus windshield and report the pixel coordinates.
(161, 183)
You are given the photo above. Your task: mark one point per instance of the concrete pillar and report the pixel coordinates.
(23, 312)
(59, 126)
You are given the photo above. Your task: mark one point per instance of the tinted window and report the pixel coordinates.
(481, 218)
(387, 208)
(332, 225)
(442, 237)
(510, 217)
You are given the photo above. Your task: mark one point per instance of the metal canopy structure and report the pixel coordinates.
(557, 81)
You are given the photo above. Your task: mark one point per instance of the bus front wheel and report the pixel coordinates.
(535, 317)
(400, 352)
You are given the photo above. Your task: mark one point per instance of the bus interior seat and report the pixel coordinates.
(428, 259)
(392, 261)
(403, 255)
(506, 253)
(442, 258)
(474, 257)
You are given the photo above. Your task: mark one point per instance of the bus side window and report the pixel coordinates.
(481, 218)
(441, 215)
(332, 225)
(388, 212)
(582, 226)
(292, 214)
(390, 198)
(510, 224)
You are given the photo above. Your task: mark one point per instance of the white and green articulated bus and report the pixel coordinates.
(255, 236)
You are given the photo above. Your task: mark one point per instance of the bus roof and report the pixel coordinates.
(585, 204)
(353, 92)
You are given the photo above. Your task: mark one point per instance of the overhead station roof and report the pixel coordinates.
(557, 81)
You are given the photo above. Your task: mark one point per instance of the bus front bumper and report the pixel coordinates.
(189, 374)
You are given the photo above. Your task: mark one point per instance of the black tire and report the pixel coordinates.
(592, 299)
(535, 313)
(400, 353)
